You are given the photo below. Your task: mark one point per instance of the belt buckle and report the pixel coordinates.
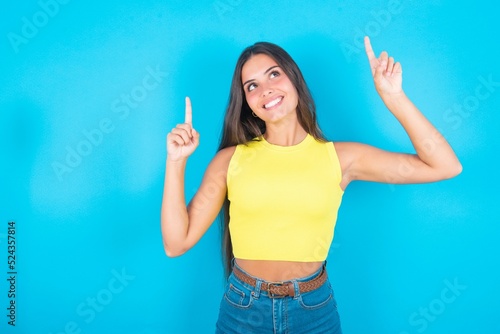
(272, 295)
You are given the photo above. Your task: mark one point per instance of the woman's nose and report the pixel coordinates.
(266, 91)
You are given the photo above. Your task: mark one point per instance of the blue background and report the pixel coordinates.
(66, 70)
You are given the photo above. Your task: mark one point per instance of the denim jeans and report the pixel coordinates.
(245, 309)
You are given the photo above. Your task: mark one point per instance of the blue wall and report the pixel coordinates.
(90, 89)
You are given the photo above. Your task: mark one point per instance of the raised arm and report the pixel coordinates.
(182, 226)
(434, 159)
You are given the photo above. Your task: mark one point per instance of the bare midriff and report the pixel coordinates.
(278, 271)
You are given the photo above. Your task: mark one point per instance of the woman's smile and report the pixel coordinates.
(275, 102)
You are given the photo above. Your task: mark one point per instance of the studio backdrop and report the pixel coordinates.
(90, 89)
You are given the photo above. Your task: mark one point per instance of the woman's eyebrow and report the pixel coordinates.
(270, 68)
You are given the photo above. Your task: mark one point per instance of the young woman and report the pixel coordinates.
(279, 184)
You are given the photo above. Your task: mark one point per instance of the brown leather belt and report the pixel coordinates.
(283, 289)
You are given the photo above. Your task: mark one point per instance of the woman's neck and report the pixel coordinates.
(284, 134)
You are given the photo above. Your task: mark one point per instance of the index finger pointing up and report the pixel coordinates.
(189, 112)
(368, 49)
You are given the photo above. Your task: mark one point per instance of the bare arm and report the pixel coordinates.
(434, 159)
(182, 226)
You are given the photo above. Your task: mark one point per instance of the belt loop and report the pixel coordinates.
(256, 290)
(296, 288)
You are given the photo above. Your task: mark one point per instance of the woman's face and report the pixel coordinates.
(268, 90)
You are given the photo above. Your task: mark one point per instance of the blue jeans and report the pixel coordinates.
(245, 309)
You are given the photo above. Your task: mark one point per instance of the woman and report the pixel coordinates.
(281, 182)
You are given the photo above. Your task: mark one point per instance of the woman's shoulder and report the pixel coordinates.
(223, 156)
(227, 151)
(342, 148)
(220, 162)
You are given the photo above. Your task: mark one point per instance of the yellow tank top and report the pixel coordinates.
(283, 200)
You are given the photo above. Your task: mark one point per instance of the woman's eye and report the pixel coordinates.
(274, 74)
(251, 87)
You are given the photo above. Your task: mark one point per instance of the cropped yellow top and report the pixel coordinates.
(283, 200)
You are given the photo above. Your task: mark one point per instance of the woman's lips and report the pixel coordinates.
(273, 103)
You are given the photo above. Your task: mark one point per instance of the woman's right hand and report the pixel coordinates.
(183, 139)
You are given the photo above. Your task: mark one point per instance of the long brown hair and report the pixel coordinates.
(240, 126)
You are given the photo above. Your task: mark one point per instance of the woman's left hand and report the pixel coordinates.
(387, 75)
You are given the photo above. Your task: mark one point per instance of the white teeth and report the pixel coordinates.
(273, 102)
